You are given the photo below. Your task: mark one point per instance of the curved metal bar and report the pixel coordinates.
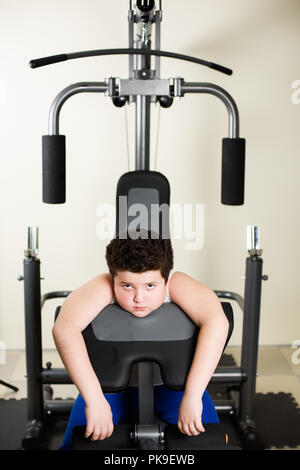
(194, 87)
(34, 63)
(231, 296)
(54, 295)
(60, 99)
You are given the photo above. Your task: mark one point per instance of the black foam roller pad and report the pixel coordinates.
(119, 440)
(54, 169)
(214, 437)
(233, 171)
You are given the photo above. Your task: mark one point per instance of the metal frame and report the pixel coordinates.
(142, 103)
(144, 86)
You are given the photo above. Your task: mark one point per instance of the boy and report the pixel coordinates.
(140, 280)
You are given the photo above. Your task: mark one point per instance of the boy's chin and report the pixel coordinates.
(144, 313)
(141, 313)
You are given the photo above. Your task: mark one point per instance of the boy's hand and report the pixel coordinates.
(99, 420)
(189, 416)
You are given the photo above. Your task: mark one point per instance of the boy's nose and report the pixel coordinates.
(138, 297)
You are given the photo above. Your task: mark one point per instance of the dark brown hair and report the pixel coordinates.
(139, 254)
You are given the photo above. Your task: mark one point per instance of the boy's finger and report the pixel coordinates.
(186, 429)
(110, 430)
(96, 433)
(103, 433)
(179, 425)
(88, 431)
(199, 426)
(193, 430)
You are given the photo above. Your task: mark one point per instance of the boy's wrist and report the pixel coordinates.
(194, 391)
(93, 395)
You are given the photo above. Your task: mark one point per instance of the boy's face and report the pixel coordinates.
(140, 293)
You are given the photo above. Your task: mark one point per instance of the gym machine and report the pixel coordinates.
(143, 87)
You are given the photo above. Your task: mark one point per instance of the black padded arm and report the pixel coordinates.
(116, 340)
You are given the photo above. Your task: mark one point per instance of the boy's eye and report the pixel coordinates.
(128, 286)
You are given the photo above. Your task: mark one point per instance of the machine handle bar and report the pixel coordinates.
(34, 63)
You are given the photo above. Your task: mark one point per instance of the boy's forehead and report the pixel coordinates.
(147, 276)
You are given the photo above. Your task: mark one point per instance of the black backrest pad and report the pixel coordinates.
(142, 189)
(116, 339)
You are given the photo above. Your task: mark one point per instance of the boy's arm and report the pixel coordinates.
(202, 305)
(77, 311)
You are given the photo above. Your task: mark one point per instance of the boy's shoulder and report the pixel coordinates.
(180, 275)
(179, 280)
(180, 283)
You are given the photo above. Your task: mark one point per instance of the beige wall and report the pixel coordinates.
(259, 40)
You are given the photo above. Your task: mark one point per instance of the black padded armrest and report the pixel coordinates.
(116, 340)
